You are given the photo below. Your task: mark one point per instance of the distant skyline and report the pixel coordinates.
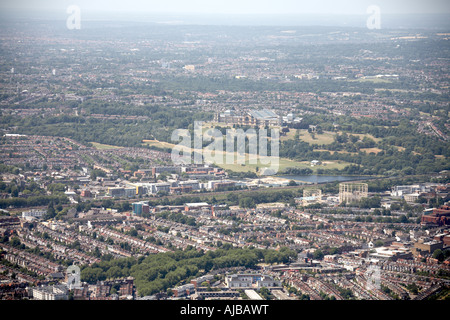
(432, 14)
(349, 7)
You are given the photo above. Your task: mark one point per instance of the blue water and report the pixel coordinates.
(321, 179)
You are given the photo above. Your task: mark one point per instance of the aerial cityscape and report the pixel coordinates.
(146, 160)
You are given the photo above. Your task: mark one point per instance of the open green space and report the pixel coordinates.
(101, 146)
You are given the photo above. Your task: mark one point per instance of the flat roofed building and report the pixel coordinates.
(140, 207)
(34, 213)
(184, 290)
(56, 292)
(196, 206)
(252, 295)
(261, 118)
(265, 117)
(116, 192)
(437, 216)
(427, 247)
(240, 281)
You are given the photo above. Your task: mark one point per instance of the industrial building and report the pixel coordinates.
(352, 192)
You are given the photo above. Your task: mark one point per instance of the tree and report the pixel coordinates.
(318, 254)
(126, 206)
(51, 212)
(438, 254)
(265, 293)
(247, 202)
(379, 243)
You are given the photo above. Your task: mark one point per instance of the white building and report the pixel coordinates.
(253, 295)
(34, 213)
(191, 183)
(56, 292)
(240, 281)
(401, 191)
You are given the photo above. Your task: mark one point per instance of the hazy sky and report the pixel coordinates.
(235, 6)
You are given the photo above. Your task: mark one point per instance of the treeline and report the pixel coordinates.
(389, 161)
(200, 83)
(233, 198)
(159, 272)
(177, 217)
(33, 201)
(8, 169)
(161, 122)
(402, 150)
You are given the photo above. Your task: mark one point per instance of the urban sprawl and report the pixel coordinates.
(93, 206)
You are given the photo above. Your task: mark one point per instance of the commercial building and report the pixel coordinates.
(426, 247)
(140, 207)
(265, 117)
(160, 187)
(401, 191)
(259, 118)
(197, 206)
(167, 169)
(116, 192)
(438, 216)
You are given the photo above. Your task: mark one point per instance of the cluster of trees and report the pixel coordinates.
(159, 272)
(371, 202)
(8, 169)
(247, 199)
(33, 201)
(159, 124)
(14, 188)
(251, 199)
(403, 150)
(401, 219)
(177, 217)
(441, 255)
(298, 293)
(297, 171)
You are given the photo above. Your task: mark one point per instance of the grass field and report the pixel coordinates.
(369, 150)
(101, 146)
(373, 80)
(289, 135)
(254, 167)
(362, 135)
(323, 138)
(333, 152)
(158, 144)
